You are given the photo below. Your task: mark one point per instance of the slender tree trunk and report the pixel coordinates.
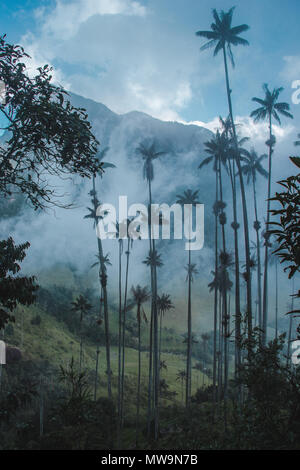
(96, 373)
(155, 361)
(139, 376)
(189, 338)
(258, 256)
(237, 274)
(160, 330)
(224, 310)
(150, 376)
(120, 341)
(215, 306)
(123, 332)
(265, 292)
(244, 203)
(103, 282)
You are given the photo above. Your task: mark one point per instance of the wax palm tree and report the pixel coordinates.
(127, 253)
(225, 285)
(102, 272)
(268, 110)
(218, 150)
(189, 197)
(252, 166)
(121, 246)
(81, 306)
(181, 377)
(164, 304)
(222, 37)
(153, 260)
(230, 166)
(140, 296)
(149, 153)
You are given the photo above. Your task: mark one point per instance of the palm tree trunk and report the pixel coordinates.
(265, 292)
(123, 332)
(160, 329)
(237, 274)
(103, 282)
(139, 377)
(244, 203)
(215, 306)
(96, 373)
(150, 378)
(224, 308)
(155, 358)
(258, 256)
(189, 338)
(120, 342)
(150, 375)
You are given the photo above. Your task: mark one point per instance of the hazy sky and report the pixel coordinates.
(144, 55)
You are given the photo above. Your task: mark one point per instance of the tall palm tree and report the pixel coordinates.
(230, 166)
(189, 197)
(164, 304)
(225, 286)
(268, 110)
(140, 296)
(149, 153)
(123, 321)
(251, 168)
(103, 271)
(120, 242)
(81, 306)
(153, 260)
(222, 37)
(218, 149)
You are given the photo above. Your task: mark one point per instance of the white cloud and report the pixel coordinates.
(117, 53)
(291, 68)
(65, 19)
(257, 132)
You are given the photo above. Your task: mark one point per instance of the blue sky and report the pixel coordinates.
(144, 54)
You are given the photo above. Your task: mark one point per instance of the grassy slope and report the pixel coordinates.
(52, 341)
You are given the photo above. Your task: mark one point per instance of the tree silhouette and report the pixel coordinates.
(268, 110)
(189, 197)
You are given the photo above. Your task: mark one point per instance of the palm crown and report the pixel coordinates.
(149, 153)
(222, 33)
(218, 150)
(252, 165)
(153, 259)
(164, 303)
(188, 197)
(269, 106)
